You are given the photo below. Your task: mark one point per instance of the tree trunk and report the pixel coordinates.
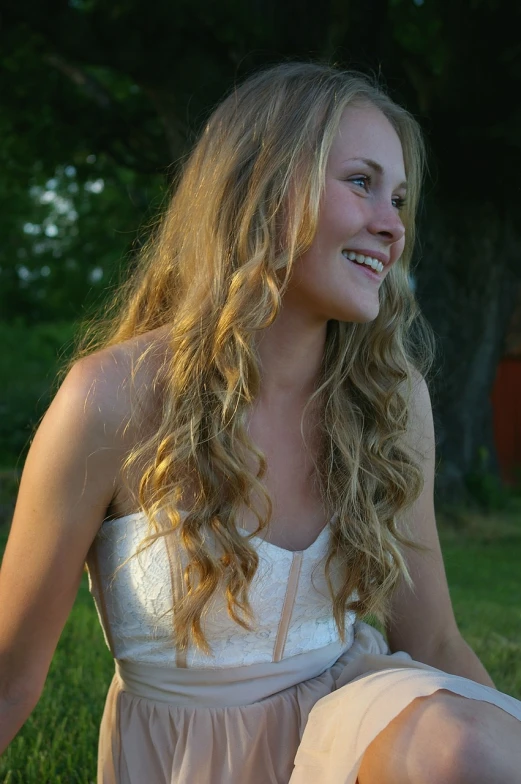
(467, 281)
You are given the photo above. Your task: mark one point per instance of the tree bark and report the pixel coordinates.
(467, 282)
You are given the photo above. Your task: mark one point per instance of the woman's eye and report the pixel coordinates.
(399, 203)
(361, 179)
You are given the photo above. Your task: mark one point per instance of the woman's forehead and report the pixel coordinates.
(365, 134)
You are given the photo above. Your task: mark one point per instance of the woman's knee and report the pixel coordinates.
(438, 738)
(463, 740)
(489, 742)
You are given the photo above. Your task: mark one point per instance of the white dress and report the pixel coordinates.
(285, 704)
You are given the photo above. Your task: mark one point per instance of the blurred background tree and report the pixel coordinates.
(101, 100)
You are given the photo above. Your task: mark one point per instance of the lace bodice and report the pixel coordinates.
(289, 597)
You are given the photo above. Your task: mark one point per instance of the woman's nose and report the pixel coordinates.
(387, 222)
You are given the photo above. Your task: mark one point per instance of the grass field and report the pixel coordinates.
(58, 743)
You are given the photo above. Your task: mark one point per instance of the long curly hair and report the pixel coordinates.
(214, 273)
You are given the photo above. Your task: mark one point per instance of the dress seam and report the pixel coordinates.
(287, 607)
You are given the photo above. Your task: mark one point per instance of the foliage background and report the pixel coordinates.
(102, 100)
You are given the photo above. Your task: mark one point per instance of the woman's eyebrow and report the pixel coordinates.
(376, 167)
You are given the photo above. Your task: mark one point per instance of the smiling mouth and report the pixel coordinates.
(371, 264)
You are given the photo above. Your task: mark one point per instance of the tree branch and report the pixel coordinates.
(91, 86)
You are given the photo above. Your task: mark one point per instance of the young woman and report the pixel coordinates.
(245, 459)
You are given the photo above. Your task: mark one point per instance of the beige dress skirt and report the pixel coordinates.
(210, 727)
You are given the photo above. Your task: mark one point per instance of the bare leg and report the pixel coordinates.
(446, 738)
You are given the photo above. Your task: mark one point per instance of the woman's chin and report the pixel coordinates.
(361, 316)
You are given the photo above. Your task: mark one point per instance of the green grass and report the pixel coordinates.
(482, 560)
(58, 744)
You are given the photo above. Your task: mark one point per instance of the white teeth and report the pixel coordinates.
(376, 265)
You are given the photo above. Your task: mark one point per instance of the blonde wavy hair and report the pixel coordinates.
(214, 273)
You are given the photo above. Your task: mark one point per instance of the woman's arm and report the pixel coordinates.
(66, 486)
(423, 622)
(15, 709)
(458, 658)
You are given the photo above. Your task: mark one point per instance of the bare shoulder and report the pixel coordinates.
(122, 383)
(123, 386)
(88, 431)
(91, 425)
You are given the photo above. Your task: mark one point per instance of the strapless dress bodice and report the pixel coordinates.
(134, 595)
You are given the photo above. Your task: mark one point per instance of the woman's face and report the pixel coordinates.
(359, 213)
